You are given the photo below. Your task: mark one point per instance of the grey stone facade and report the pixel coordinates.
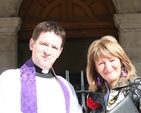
(127, 20)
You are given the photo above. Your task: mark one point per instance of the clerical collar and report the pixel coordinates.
(43, 73)
(39, 70)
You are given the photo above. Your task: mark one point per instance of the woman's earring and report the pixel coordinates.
(123, 73)
(98, 81)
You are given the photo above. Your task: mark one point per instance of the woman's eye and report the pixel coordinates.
(100, 63)
(112, 60)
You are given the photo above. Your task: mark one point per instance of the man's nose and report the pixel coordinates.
(48, 50)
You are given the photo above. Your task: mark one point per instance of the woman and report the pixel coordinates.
(111, 76)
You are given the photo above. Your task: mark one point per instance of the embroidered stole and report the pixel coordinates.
(28, 89)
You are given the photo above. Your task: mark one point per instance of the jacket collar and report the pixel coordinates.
(124, 81)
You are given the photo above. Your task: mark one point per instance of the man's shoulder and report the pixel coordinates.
(63, 79)
(67, 83)
(9, 72)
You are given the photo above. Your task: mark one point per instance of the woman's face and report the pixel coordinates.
(109, 68)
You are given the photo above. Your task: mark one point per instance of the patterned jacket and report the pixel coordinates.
(130, 87)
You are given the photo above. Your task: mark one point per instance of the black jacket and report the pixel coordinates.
(130, 87)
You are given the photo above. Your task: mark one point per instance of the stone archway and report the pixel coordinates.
(82, 20)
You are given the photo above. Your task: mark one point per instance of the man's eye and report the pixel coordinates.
(43, 44)
(54, 47)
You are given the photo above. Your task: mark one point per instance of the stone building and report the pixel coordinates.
(83, 20)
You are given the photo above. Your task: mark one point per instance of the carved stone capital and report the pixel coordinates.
(9, 25)
(127, 6)
(127, 21)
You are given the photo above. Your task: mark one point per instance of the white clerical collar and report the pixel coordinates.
(45, 71)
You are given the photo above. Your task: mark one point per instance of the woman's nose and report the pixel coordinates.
(107, 65)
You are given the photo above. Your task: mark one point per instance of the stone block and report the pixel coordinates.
(8, 58)
(138, 68)
(130, 38)
(8, 43)
(134, 53)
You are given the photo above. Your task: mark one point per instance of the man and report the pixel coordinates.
(34, 87)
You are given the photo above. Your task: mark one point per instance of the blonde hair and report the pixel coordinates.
(107, 46)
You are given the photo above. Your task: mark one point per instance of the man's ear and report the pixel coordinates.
(31, 43)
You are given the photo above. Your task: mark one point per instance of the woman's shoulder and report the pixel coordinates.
(135, 82)
(134, 88)
(135, 79)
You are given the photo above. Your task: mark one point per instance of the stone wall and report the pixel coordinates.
(129, 26)
(9, 8)
(128, 22)
(9, 26)
(8, 42)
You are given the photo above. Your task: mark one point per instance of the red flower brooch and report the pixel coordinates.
(91, 104)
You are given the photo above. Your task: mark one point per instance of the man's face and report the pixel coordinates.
(46, 49)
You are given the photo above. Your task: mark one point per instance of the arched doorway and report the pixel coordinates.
(83, 21)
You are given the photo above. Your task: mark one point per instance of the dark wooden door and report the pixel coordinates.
(80, 18)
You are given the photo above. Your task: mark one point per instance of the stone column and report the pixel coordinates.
(129, 26)
(8, 42)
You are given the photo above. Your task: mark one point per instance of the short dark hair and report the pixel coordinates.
(49, 26)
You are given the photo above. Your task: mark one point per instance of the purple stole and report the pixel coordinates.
(28, 89)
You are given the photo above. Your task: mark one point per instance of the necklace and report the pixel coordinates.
(114, 99)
